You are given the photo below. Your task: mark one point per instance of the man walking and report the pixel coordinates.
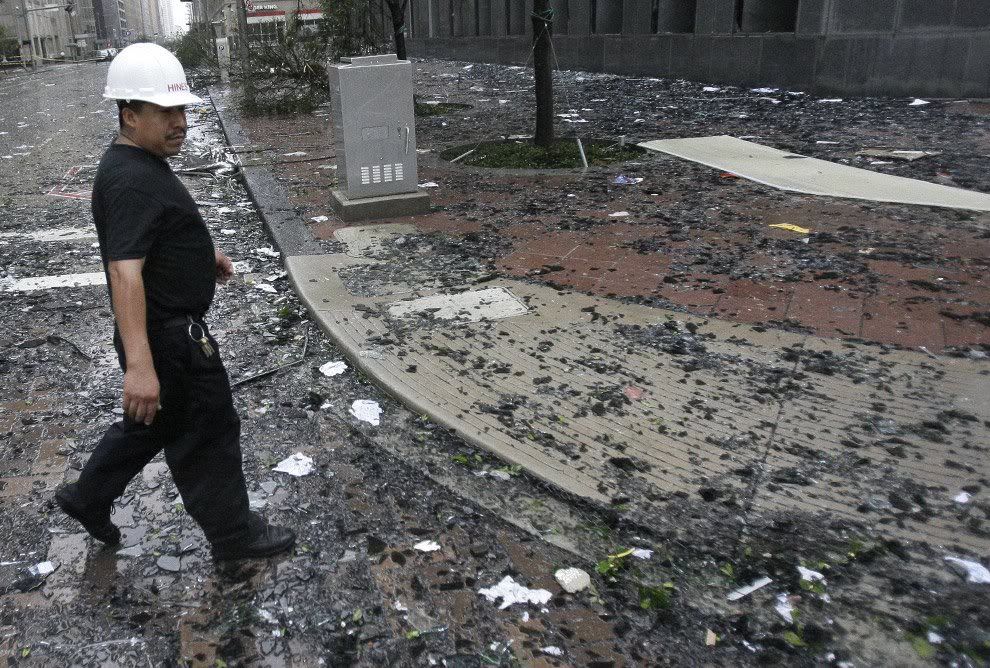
(161, 270)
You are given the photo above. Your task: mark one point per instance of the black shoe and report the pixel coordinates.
(98, 523)
(267, 540)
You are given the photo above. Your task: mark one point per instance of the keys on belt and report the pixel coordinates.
(204, 343)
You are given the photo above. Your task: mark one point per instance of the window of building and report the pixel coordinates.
(766, 15)
(606, 17)
(484, 17)
(515, 17)
(673, 16)
(561, 15)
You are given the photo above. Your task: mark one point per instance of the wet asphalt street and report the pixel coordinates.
(355, 590)
(400, 524)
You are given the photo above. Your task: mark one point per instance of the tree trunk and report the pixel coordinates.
(397, 8)
(543, 72)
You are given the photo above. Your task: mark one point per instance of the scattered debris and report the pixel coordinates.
(710, 638)
(169, 563)
(623, 180)
(511, 592)
(741, 592)
(42, 569)
(962, 497)
(810, 575)
(34, 576)
(918, 102)
(553, 651)
(573, 580)
(641, 553)
(897, 154)
(784, 608)
(971, 570)
(427, 546)
(331, 369)
(281, 367)
(296, 465)
(634, 393)
(791, 228)
(367, 410)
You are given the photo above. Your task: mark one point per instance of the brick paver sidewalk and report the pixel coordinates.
(693, 238)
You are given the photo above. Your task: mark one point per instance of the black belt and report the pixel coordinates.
(177, 321)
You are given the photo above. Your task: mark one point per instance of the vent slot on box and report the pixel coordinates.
(379, 173)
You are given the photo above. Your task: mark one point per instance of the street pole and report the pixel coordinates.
(244, 51)
(75, 40)
(30, 37)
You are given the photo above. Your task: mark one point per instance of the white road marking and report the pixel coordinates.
(53, 282)
(59, 234)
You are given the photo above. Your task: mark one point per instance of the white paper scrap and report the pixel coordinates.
(553, 651)
(45, 568)
(367, 410)
(427, 546)
(810, 575)
(297, 465)
(962, 497)
(267, 251)
(512, 592)
(331, 369)
(784, 608)
(640, 553)
(319, 219)
(748, 589)
(918, 102)
(429, 184)
(572, 580)
(618, 214)
(973, 571)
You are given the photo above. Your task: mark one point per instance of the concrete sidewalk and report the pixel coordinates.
(633, 405)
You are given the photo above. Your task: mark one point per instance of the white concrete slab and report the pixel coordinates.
(470, 306)
(798, 173)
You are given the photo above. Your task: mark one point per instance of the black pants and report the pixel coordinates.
(198, 429)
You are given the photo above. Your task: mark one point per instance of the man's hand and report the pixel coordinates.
(225, 268)
(141, 394)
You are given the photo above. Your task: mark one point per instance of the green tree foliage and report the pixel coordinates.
(8, 43)
(288, 66)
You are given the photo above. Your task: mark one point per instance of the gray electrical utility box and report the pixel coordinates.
(374, 126)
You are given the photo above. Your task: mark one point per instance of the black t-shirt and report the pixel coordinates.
(142, 210)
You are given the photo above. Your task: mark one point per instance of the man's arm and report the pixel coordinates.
(140, 380)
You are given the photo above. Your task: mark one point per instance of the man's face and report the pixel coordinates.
(158, 130)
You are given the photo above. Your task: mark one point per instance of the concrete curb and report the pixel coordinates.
(286, 229)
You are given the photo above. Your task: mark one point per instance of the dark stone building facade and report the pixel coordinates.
(846, 47)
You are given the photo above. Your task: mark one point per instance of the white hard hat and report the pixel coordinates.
(149, 73)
